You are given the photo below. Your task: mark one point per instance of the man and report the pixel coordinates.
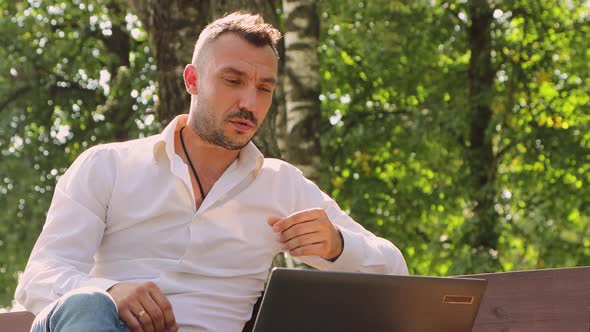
(179, 229)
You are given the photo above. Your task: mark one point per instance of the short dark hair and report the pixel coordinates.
(249, 26)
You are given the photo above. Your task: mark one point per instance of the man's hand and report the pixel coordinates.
(143, 307)
(309, 232)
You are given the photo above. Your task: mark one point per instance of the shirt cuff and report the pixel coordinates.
(102, 284)
(353, 253)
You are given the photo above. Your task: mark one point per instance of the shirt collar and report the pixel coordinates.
(164, 144)
(249, 156)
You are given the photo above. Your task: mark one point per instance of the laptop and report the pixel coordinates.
(310, 300)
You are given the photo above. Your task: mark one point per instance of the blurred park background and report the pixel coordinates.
(459, 130)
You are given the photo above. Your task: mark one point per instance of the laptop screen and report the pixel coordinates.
(310, 300)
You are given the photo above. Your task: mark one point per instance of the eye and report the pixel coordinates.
(232, 81)
(265, 89)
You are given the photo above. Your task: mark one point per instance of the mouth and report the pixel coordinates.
(242, 125)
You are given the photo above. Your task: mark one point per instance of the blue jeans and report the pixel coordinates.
(84, 309)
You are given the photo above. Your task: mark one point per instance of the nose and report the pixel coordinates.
(248, 99)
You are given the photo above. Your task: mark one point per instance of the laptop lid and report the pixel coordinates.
(310, 300)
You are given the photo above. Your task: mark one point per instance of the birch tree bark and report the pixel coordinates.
(173, 27)
(302, 86)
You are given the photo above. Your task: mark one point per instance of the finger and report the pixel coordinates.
(291, 220)
(166, 308)
(153, 316)
(143, 317)
(302, 241)
(313, 249)
(296, 218)
(299, 230)
(143, 309)
(273, 220)
(152, 304)
(174, 328)
(130, 320)
(146, 322)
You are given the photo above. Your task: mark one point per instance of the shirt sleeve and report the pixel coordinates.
(363, 251)
(63, 254)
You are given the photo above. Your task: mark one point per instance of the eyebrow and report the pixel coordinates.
(235, 71)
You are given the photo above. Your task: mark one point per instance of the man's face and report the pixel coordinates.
(234, 91)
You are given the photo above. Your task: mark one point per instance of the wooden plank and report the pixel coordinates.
(550, 300)
(18, 321)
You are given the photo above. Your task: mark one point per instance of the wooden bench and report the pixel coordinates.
(551, 300)
(16, 321)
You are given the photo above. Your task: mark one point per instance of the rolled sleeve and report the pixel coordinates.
(63, 254)
(362, 251)
(101, 283)
(352, 256)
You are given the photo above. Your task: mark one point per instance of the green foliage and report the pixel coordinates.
(395, 98)
(74, 74)
(395, 92)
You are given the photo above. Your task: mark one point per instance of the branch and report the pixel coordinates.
(53, 87)
(353, 117)
(14, 95)
(455, 15)
(504, 150)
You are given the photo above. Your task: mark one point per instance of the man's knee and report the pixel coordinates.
(83, 309)
(87, 299)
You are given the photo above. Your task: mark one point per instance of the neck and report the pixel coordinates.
(211, 159)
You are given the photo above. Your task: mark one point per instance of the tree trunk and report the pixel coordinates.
(302, 86)
(173, 27)
(117, 107)
(483, 233)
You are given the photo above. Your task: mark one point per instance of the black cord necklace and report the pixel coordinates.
(190, 162)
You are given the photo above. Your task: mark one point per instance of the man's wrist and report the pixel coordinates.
(111, 288)
(333, 259)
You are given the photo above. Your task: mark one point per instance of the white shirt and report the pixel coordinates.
(125, 212)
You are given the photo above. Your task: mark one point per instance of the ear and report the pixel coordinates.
(191, 79)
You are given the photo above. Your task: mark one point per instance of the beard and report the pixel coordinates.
(203, 122)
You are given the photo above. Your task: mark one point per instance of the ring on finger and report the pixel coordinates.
(141, 313)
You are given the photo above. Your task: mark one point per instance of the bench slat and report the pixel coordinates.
(547, 300)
